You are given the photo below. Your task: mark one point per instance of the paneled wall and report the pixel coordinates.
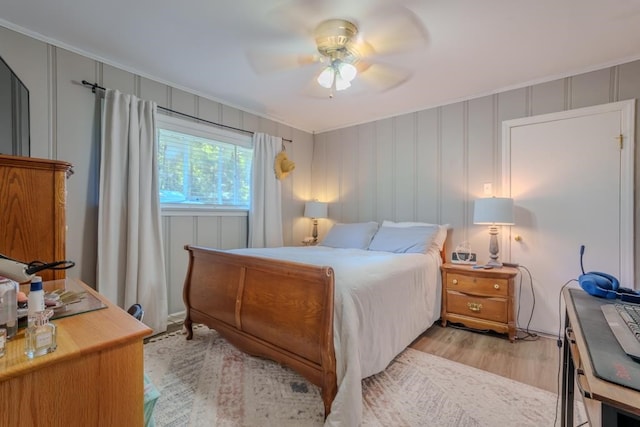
(430, 165)
(65, 126)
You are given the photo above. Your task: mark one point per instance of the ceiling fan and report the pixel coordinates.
(344, 54)
(337, 43)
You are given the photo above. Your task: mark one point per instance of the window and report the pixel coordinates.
(202, 166)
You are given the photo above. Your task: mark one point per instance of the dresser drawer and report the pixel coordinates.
(487, 308)
(477, 285)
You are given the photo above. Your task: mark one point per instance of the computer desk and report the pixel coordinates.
(606, 403)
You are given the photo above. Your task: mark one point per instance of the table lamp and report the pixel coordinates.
(493, 211)
(315, 210)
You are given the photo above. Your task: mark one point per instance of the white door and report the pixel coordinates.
(571, 179)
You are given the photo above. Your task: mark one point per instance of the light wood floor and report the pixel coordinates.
(531, 362)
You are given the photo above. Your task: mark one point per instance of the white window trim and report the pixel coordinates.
(205, 131)
(193, 210)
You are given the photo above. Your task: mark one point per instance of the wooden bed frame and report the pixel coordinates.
(276, 309)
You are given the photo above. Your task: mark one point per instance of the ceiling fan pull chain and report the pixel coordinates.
(333, 86)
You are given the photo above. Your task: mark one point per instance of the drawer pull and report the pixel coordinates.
(454, 281)
(496, 286)
(474, 306)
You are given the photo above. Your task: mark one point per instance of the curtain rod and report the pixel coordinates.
(95, 86)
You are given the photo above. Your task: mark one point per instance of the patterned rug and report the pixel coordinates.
(207, 382)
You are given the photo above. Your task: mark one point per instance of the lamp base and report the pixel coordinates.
(494, 263)
(315, 231)
(493, 247)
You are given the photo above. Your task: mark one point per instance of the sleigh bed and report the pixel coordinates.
(335, 315)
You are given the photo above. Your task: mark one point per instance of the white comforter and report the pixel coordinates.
(383, 301)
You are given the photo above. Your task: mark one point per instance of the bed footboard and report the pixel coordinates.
(275, 309)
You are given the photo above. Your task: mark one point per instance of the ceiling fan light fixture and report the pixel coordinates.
(339, 73)
(347, 71)
(325, 79)
(342, 84)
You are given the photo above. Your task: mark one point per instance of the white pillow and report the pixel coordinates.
(438, 241)
(355, 235)
(416, 239)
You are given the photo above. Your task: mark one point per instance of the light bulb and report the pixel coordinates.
(325, 79)
(347, 71)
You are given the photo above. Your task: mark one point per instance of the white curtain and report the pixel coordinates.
(265, 213)
(131, 265)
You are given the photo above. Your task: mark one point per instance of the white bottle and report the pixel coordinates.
(36, 297)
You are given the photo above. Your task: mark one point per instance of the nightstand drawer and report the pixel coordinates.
(477, 285)
(486, 308)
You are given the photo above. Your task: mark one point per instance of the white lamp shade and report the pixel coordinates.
(342, 84)
(325, 79)
(493, 210)
(347, 71)
(315, 209)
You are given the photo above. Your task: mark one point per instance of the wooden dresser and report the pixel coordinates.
(32, 210)
(478, 298)
(94, 378)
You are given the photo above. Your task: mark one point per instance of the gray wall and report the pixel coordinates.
(430, 165)
(64, 126)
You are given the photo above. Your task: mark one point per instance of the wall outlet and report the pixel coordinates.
(487, 188)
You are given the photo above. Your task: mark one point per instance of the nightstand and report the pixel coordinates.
(479, 298)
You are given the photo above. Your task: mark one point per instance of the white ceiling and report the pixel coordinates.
(472, 47)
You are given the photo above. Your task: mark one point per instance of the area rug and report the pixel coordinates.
(208, 382)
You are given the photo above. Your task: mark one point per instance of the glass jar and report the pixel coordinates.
(40, 335)
(9, 306)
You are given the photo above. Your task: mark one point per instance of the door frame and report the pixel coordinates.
(627, 153)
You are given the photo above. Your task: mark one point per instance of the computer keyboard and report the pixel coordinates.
(624, 321)
(631, 315)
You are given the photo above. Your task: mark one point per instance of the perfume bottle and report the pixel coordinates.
(40, 335)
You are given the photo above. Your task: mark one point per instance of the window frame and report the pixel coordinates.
(192, 127)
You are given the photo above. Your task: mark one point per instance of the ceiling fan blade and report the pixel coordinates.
(264, 62)
(382, 77)
(298, 16)
(393, 29)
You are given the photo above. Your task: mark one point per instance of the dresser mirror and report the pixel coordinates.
(14, 113)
